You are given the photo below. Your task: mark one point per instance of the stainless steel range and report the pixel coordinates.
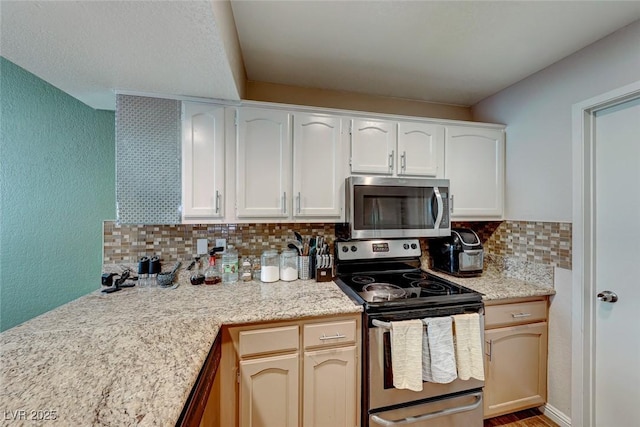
(385, 276)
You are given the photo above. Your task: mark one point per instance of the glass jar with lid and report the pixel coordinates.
(289, 265)
(270, 269)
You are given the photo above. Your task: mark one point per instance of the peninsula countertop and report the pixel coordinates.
(132, 357)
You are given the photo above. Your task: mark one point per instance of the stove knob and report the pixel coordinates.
(413, 246)
(345, 249)
(405, 246)
(353, 248)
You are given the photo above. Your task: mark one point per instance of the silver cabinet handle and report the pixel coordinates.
(520, 315)
(607, 296)
(337, 336)
(217, 201)
(299, 202)
(284, 202)
(489, 346)
(430, 415)
(403, 161)
(391, 160)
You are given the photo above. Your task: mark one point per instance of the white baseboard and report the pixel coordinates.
(556, 415)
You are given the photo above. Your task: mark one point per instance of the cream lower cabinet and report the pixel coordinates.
(289, 374)
(515, 356)
(329, 388)
(269, 391)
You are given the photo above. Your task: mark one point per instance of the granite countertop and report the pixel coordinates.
(132, 357)
(505, 278)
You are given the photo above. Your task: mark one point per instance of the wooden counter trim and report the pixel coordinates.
(192, 413)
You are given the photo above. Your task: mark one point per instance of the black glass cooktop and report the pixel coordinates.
(404, 289)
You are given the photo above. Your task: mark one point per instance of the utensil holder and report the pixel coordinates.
(303, 267)
(324, 274)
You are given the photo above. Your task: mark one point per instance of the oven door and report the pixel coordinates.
(381, 390)
(394, 207)
(450, 411)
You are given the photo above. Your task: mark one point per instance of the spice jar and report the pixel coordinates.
(245, 270)
(270, 270)
(288, 265)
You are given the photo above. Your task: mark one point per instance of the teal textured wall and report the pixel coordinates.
(57, 182)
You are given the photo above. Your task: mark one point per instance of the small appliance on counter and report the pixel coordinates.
(460, 254)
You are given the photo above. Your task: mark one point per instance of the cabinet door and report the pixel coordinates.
(330, 388)
(373, 145)
(516, 368)
(202, 160)
(474, 163)
(263, 163)
(269, 391)
(420, 149)
(316, 165)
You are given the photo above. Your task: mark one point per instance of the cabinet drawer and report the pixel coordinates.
(327, 334)
(268, 340)
(514, 314)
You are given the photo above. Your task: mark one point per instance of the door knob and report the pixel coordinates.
(607, 296)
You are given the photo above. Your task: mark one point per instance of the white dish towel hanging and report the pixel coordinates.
(406, 354)
(469, 353)
(438, 353)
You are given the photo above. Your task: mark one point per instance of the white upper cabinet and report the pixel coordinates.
(420, 149)
(203, 160)
(373, 144)
(474, 165)
(263, 163)
(317, 171)
(389, 148)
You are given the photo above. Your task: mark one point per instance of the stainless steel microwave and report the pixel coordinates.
(378, 207)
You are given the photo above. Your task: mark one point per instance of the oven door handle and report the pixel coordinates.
(381, 324)
(430, 415)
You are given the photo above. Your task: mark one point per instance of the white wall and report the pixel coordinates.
(559, 367)
(537, 112)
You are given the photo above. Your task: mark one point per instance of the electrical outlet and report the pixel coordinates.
(222, 242)
(202, 246)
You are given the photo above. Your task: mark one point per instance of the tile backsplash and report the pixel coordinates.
(126, 243)
(547, 243)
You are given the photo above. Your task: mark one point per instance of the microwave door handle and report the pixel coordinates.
(430, 415)
(438, 219)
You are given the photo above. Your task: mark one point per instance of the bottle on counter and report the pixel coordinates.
(211, 274)
(270, 268)
(246, 270)
(230, 265)
(289, 265)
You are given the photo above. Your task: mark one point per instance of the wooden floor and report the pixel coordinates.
(528, 418)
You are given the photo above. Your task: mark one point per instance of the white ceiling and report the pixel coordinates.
(440, 51)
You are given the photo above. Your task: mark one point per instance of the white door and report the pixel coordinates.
(373, 144)
(420, 149)
(617, 256)
(317, 170)
(263, 163)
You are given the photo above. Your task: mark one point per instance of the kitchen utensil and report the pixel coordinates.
(165, 279)
(298, 236)
(294, 244)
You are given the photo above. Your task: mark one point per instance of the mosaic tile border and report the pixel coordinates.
(126, 243)
(547, 243)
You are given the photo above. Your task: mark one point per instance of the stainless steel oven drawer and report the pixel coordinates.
(458, 411)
